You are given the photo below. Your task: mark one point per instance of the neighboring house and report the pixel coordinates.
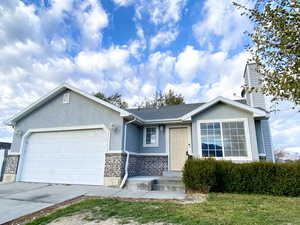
(71, 137)
(4, 148)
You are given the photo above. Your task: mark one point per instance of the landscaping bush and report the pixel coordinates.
(255, 177)
(200, 175)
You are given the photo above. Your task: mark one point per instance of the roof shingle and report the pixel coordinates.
(168, 112)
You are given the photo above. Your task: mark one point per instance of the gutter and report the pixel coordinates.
(127, 153)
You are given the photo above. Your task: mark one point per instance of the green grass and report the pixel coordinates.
(220, 209)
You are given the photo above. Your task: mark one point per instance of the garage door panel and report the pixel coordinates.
(74, 157)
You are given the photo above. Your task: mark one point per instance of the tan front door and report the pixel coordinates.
(178, 147)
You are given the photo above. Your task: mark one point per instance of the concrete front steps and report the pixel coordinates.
(170, 181)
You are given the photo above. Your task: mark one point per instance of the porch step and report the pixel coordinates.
(163, 183)
(168, 180)
(140, 183)
(167, 187)
(168, 183)
(172, 173)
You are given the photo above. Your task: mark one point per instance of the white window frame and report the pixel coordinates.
(247, 136)
(156, 138)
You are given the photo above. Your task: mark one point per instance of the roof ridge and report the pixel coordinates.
(165, 106)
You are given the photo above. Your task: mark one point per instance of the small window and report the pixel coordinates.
(66, 98)
(151, 137)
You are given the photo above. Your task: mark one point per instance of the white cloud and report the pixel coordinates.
(160, 11)
(292, 149)
(148, 89)
(188, 90)
(165, 11)
(58, 44)
(97, 62)
(285, 125)
(18, 22)
(123, 2)
(132, 85)
(159, 68)
(91, 18)
(230, 79)
(163, 38)
(222, 19)
(188, 63)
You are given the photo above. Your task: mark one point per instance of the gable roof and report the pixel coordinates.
(256, 112)
(181, 112)
(164, 112)
(184, 112)
(57, 91)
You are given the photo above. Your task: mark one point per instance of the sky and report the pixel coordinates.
(134, 47)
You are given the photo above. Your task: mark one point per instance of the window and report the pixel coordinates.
(223, 139)
(211, 140)
(151, 137)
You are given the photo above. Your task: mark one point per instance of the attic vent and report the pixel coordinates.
(66, 98)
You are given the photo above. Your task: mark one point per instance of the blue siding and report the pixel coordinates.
(264, 140)
(266, 133)
(162, 142)
(133, 138)
(135, 134)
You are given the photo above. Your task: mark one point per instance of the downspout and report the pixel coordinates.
(127, 153)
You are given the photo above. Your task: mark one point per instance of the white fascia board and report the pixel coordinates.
(60, 89)
(256, 112)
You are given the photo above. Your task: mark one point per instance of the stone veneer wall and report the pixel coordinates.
(139, 165)
(149, 165)
(114, 168)
(11, 167)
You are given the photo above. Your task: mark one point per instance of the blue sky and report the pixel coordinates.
(133, 47)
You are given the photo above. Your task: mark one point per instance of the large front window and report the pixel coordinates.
(223, 139)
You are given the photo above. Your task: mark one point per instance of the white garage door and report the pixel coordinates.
(69, 157)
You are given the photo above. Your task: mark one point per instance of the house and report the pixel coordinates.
(72, 137)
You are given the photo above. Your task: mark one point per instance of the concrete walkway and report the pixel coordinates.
(20, 199)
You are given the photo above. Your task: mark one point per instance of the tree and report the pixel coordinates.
(115, 99)
(275, 47)
(162, 99)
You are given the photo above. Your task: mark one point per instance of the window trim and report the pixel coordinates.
(247, 136)
(156, 139)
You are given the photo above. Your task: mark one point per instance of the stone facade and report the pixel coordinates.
(148, 165)
(139, 165)
(11, 164)
(114, 168)
(114, 164)
(11, 167)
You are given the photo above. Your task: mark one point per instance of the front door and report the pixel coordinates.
(178, 146)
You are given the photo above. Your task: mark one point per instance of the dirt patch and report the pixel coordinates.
(80, 219)
(194, 198)
(43, 212)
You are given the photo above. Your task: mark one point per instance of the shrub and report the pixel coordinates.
(255, 177)
(199, 175)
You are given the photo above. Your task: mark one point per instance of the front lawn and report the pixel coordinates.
(219, 209)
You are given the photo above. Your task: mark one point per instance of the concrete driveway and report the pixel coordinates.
(20, 199)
